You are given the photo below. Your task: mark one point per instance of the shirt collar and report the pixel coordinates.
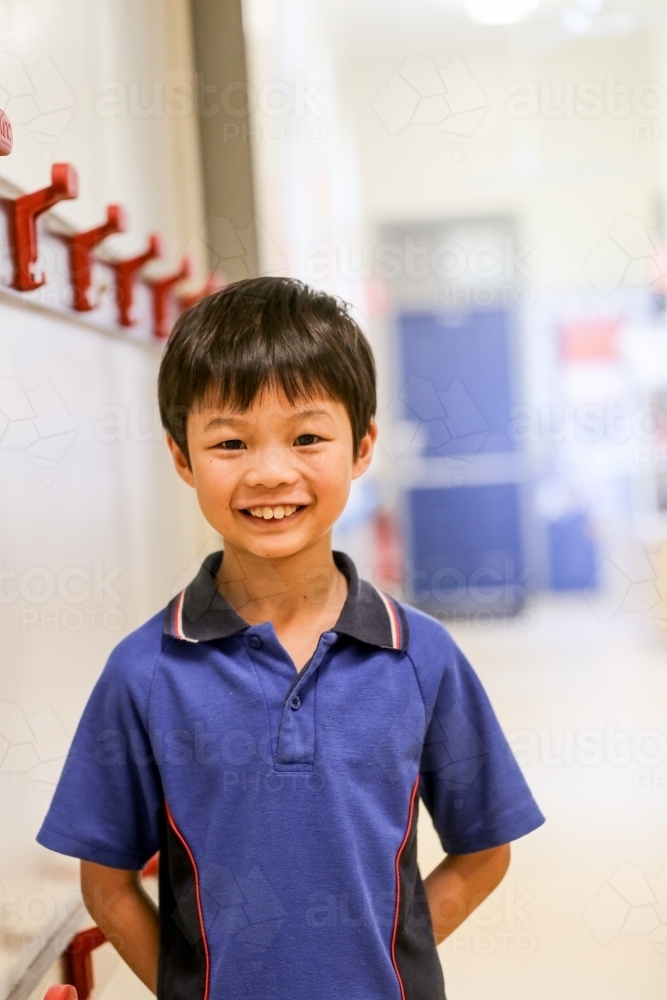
(200, 612)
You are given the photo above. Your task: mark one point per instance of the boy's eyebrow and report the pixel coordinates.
(310, 413)
(235, 421)
(218, 421)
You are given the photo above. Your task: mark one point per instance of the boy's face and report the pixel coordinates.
(274, 479)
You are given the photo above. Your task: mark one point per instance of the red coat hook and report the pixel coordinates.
(6, 134)
(161, 289)
(81, 258)
(22, 229)
(78, 963)
(62, 991)
(152, 866)
(214, 284)
(125, 271)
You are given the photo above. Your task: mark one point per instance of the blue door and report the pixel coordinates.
(463, 496)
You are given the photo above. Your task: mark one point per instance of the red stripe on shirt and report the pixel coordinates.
(413, 798)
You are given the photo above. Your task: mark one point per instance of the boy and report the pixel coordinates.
(271, 731)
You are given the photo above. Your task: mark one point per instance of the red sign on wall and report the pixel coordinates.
(589, 340)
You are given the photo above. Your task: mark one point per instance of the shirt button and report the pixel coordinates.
(255, 641)
(295, 703)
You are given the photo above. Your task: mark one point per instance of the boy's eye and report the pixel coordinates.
(304, 439)
(233, 445)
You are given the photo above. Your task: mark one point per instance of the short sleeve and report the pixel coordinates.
(106, 804)
(470, 781)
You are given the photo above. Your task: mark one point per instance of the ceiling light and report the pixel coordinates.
(499, 11)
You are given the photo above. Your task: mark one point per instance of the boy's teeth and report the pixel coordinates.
(282, 510)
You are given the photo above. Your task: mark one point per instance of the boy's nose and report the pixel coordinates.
(272, 467)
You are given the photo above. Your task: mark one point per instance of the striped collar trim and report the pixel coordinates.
(395, 623)
(200, 612)
(368, 614)
(177, 619)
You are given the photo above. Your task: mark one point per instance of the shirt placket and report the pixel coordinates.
(296, 736)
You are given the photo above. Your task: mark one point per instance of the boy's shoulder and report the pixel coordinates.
(426, 634)
(436, 658)
(428, 643)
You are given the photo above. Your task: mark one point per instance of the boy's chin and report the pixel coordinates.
(276, 547)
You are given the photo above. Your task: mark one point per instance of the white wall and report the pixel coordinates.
(86, 485)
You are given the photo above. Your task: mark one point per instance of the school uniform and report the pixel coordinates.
(284, 804)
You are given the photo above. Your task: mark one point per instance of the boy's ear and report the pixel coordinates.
(180, 462)
(365, 452)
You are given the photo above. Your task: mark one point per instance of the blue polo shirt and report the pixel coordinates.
(284, 804)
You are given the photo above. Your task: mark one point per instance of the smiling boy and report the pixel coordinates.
(272, 730)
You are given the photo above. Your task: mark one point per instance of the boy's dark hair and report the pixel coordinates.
(266, 333)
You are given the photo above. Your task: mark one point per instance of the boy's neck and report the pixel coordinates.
(306, 584)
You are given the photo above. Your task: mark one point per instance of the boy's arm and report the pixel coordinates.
(460, 883)
(125, 913)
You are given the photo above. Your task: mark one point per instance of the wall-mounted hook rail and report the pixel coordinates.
(125, 271)
(6, 134)
(80, 247)
(161, 290)
(23, 212)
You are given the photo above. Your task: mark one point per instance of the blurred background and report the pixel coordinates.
(485, 182)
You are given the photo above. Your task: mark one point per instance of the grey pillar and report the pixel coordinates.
(222, 101)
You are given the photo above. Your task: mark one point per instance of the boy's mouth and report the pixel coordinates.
(275, 512)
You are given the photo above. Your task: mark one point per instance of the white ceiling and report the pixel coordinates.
(374, 25)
